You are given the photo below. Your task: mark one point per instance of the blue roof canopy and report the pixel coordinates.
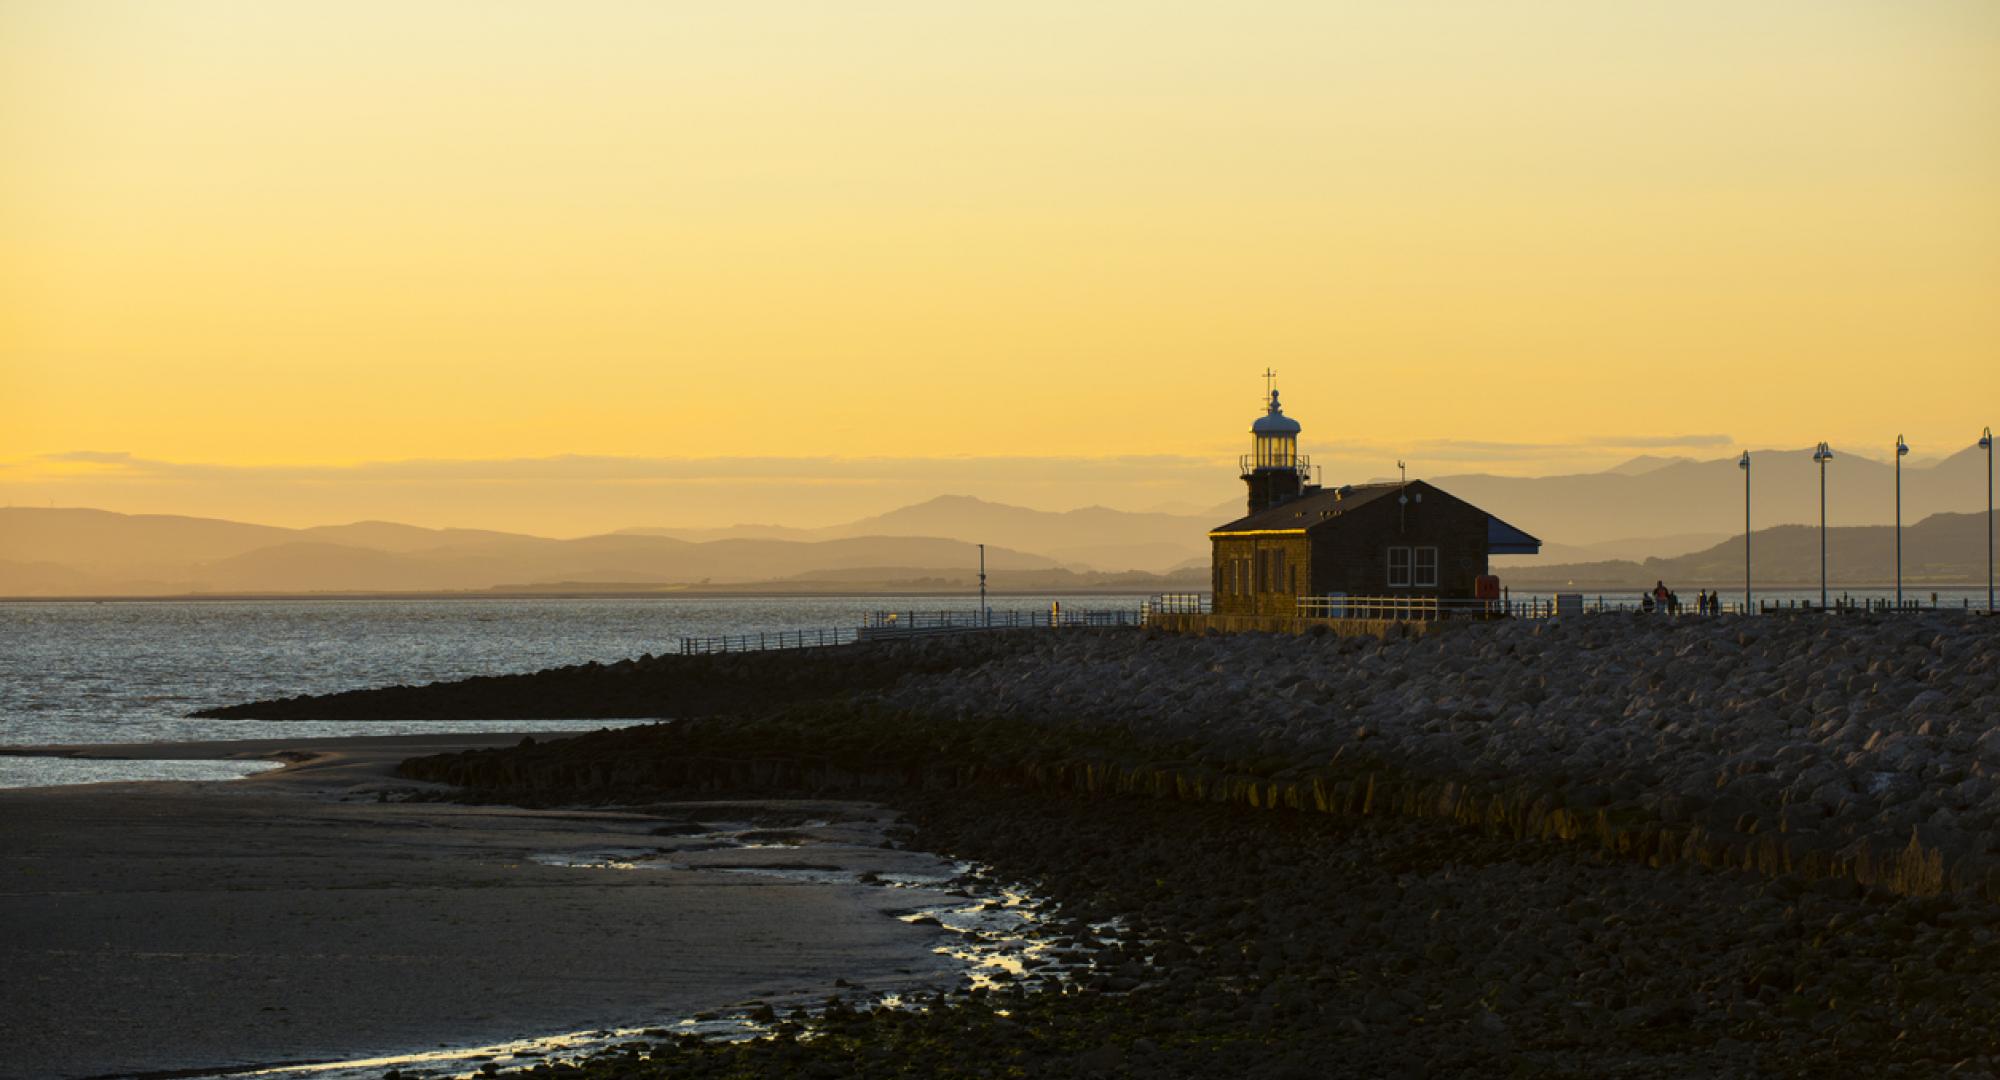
(1505, 539)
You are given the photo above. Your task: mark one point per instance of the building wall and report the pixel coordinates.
(1260, 575)
(1351, 554)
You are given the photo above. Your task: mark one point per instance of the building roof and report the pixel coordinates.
(1505, 539)
(1322, 506)
(1309, 509)
(1274, 421)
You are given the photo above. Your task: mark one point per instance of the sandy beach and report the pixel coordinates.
(292, 916)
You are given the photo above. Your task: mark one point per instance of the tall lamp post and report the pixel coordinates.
(984, 618)
(1902, 449)
(1744, 464)
(1986, 444)
(1822, 455)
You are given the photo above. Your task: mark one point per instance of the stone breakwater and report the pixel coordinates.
(1825, 748)
(1854, 747)
(1326, 851)
(647, 687)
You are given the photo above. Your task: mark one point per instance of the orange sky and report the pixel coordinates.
(247, 238)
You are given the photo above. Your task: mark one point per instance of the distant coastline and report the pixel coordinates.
(758, 591)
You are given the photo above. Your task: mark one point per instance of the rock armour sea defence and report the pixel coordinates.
(1853, 746)
(648, 687)
(1850, 748)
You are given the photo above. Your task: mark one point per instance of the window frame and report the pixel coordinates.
(1417, 579)
(1408, 566)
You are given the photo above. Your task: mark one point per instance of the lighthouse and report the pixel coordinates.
(1273, 469)
(1389, 539)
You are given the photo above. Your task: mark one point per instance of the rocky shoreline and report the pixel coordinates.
(646, 687)
(1594, 847)
(1291, 945)
(1858, 748)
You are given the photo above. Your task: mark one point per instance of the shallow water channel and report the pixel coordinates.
(991, 934)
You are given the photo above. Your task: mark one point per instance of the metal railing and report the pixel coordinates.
(1863, 605)
(1400, 608)
(774, 639)
(921, 622)
(1301, 464)
(1177, 604)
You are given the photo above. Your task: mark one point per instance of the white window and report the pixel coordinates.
(1399, 568)
(1427, 568)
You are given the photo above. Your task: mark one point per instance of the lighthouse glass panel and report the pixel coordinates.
(1277, 451)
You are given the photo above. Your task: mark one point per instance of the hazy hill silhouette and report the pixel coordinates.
(1686, 496)
(1094, 537)
(1674, 509)
(1943, 549)
(88, 552)
(1648, 506)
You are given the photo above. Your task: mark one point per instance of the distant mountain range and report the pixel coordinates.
(1679, 510)
(1667, 497)
(1094, 537)
(70, 552)
(1943, 549)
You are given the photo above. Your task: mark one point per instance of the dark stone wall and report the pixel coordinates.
(1269, 487)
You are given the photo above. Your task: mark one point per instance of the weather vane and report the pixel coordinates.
(1268, 376)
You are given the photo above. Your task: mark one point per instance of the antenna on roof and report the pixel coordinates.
(1402, 497)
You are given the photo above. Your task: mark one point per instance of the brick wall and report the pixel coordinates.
(1259, 575)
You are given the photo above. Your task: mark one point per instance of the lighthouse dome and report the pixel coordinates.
(1274, 421)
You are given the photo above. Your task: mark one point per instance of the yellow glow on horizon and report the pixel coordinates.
(250, 233)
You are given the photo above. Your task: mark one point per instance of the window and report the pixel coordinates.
(1399, 568)
(1426, 576)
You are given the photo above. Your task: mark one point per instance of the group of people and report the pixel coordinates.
(1667, 601)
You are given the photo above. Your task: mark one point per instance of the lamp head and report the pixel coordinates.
(1902, 447)
(1744, 461)
(1986, 439)
(1822, 454)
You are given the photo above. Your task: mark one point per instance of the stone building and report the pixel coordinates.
(1404, 539)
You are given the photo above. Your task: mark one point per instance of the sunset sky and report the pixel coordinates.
(568, 266)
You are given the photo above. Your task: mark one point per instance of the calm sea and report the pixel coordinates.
(130, 672)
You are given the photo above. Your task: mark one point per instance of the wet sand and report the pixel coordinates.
(292, 917)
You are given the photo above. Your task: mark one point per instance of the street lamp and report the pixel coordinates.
(1744, 464)
(1902, 450)
(1822, 455)
(1986, 444)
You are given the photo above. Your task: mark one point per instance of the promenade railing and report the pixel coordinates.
(958, 620)
(1865, 605)
(774, 639)
(1397, 608)
(1177, 604)
(1428, 609)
